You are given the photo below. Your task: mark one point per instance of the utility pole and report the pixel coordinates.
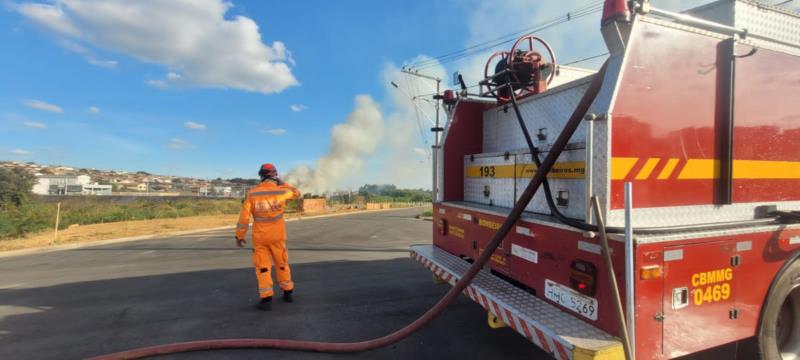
(436, 129)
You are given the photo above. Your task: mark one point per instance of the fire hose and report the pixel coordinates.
(330, 347)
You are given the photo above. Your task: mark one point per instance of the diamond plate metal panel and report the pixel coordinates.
(600, 152)
(758, 18)
(501, 191)
(696, 214)
(777, 23)
(576, 188)
(544, 115)
(549, 319)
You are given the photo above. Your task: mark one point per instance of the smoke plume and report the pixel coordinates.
(351, 141)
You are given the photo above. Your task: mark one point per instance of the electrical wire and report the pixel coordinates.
(585, 59)
(480, 48)
(565, 64)
(504, 38)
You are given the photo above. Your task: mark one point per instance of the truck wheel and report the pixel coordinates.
(779, 331)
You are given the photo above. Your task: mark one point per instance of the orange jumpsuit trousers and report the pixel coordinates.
(266, 204)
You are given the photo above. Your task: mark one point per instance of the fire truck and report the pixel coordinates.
(667, 220)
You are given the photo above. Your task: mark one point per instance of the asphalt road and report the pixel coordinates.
(354, 281)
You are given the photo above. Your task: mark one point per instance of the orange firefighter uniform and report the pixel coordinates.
(266, 203)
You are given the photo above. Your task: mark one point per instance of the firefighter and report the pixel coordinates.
(266, 203)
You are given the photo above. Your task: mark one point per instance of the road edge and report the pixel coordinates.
(63, 247)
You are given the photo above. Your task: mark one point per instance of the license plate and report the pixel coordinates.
(571, 299)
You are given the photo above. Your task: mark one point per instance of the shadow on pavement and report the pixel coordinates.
(335, 301)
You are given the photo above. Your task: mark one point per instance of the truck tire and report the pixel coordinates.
(779, 331)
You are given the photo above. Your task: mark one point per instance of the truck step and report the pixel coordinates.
(559, 333)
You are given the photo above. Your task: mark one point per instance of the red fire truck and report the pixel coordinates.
(688, 138)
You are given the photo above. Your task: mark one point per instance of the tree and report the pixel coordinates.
(15, 187)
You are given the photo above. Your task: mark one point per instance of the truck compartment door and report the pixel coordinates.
(699, 295)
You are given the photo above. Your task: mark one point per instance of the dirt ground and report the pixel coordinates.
(95, 232)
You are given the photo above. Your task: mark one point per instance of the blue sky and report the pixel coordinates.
(187, 87)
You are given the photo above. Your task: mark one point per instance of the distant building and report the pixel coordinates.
(226, 191)
(142, 187)
(61, 184)
(97, 189)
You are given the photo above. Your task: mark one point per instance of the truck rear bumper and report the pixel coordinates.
(561, 334)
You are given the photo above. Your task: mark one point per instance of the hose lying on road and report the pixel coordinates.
(298, 345)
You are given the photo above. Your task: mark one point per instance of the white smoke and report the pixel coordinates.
(409, 146)
(351, 142)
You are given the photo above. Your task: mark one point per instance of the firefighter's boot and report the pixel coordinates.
(287, 296)
(265, 304)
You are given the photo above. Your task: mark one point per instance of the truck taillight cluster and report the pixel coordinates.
(583, 276)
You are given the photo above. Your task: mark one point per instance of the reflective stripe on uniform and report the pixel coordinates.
(242, 226)
(266, 292)
(278, 192)
(267, 219)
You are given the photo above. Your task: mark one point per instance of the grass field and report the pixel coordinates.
(96, 232)
(37, 216)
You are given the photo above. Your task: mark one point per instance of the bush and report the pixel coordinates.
(33, 216)
(15, 187)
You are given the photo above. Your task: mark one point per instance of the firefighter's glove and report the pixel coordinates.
(240, 242)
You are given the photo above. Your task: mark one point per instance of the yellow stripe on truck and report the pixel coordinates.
(647, 169)
(621, 169)
(708, 169)
(698, 169)
(666, 172)
(562, 170)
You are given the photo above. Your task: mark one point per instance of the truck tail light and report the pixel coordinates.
(615, 10)
(650, 272)
(442, 225)
(583, 277)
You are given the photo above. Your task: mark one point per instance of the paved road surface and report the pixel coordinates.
(354, 282)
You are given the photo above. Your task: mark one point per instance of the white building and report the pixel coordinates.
(96, 189)
(68, 185)
(223, 191)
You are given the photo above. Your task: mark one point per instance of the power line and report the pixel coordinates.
(565, 64)
(480, 47)
(513, 35)
(585, 59)
(481, 50)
